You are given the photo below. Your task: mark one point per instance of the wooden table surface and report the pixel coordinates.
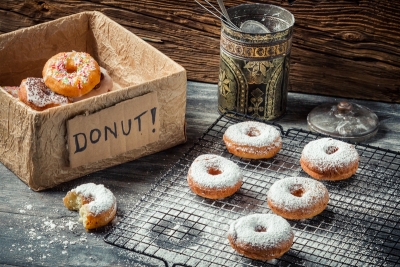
(37, 230)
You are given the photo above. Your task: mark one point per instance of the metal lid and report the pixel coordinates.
(344, 120)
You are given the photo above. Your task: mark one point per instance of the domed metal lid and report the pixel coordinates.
(344, 120)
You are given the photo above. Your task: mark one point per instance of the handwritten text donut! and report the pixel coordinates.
(115, 130)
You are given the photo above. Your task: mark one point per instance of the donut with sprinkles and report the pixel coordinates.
(71, 74)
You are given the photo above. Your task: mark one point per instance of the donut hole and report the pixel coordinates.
(260, 229)
(331, 149)
(70, 66)
(252, 131)
(297, 191)
(214, 171)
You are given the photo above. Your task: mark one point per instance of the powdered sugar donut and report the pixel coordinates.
(71, 74)
(96, 204)
(261, 236)
(254, 140)
(329, 159)
(105, 85)
(297, 198)
(34, 93)
(214, 177)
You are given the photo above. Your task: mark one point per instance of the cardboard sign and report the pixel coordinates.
(112, 131)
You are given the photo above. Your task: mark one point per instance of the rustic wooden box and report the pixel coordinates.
(34, 144)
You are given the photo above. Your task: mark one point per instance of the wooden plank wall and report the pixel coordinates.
(347, 48)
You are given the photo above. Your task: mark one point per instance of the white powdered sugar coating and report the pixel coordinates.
(246, 230)
(40, 95)
(103, 199)
(230, 173)
(280, 193)
(253, 133)
(321, 154)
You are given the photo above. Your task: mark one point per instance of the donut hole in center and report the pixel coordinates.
(331, 149)
(260, 229)
(252, 131)
(70, 66)
(297, 191)
(214, 171)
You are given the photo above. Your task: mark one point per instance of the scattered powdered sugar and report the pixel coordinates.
(253, 133)
(103, 199)
(224, 173)
(329, 153)
(275, 230)
(40, 95)
(280, 193)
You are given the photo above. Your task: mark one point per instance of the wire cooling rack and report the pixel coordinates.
(359, 227)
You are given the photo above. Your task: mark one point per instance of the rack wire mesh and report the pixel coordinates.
(360, 226)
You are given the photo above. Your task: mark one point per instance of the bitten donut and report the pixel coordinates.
(297, 198)
(71, 74)
(34, 93)
(214, 177)
(96, 204)
(329, 159)
(261, 236)
(105, 85)
(253, 140)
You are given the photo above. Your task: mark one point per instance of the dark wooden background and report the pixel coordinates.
(347, 48)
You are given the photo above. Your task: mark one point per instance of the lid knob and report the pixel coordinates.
(344, 106)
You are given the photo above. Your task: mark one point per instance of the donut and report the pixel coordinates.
(214, 177)
(96, 204)
(329, 159)
(12, 90)
(34, 93)
(297, 198)
(105, 85)
(252, 140)
(261, 236)
(71, 74)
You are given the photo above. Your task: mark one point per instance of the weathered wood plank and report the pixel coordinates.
(340, 48)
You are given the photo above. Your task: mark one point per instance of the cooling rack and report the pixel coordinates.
(360, 226)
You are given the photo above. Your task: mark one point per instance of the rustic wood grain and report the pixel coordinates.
(345, 48)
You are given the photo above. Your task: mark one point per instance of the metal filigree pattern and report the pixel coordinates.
(250, 51)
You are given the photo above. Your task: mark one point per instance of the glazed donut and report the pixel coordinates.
(329, 159)
(297, 198)
(261, 236)
(253, 140)
(214, 177)
(105, 85)
(71, 74)
(34, 93)
(96, 204)
(12, 90)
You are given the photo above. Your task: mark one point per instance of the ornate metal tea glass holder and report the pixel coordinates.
(254, 67)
